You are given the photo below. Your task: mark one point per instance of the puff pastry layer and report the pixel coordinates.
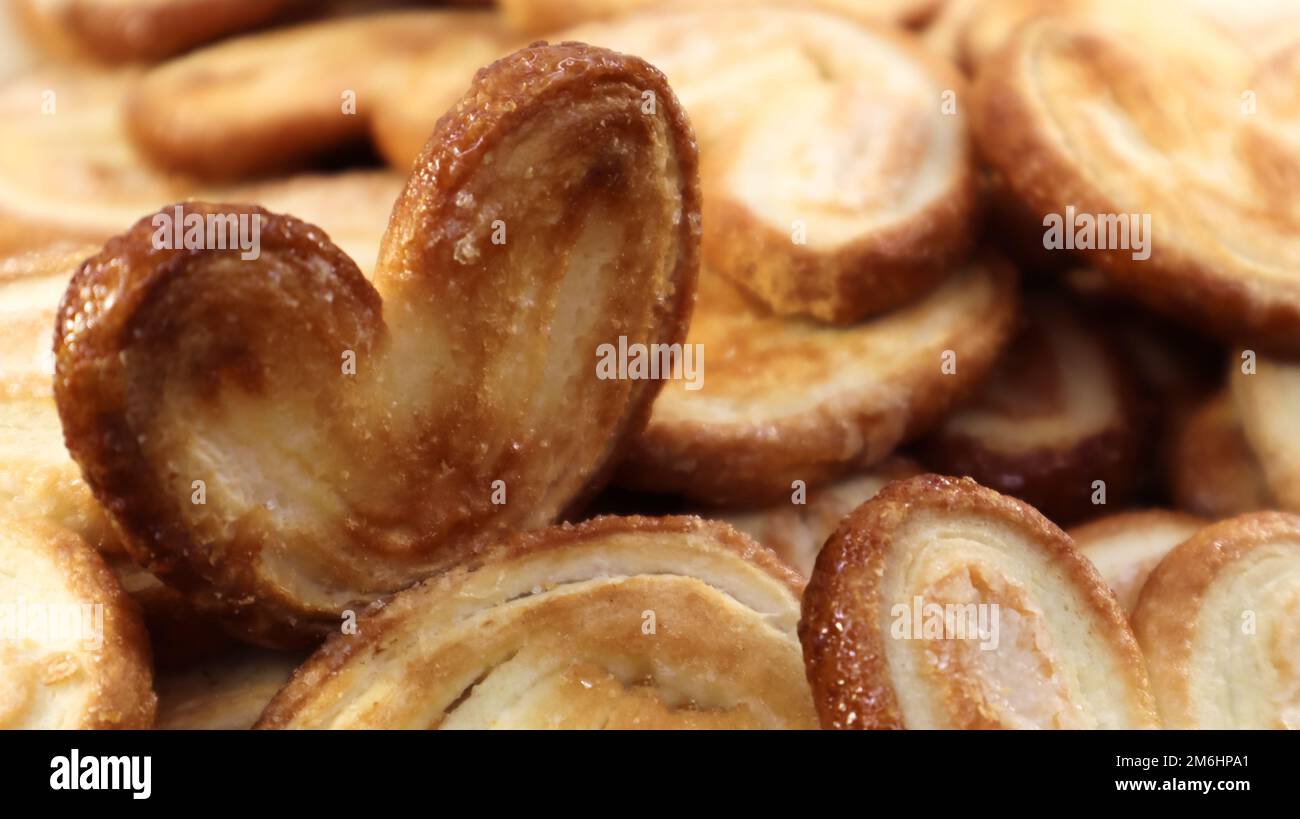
(1052, 649)
(1058, 413)
(790, 399)
(1126, 547)
(1218, 621)
(473, 406)
(74, 653)
(614, 623)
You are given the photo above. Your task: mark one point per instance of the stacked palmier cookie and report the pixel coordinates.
(725, 367)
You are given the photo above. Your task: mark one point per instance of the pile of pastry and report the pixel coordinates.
(642, 364)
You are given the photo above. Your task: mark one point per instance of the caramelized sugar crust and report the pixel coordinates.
(1062, 657)
(630, 622)
(324, 488)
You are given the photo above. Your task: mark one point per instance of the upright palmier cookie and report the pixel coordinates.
(942, 604)
(797, 528)
(73, 653)
(1058, 414)
(284, 441)
(1125, 547)
(1213, 472)
(1159, 158)
(279, 99)
(1266, 401)
(838, 179)
(1219, 623)
(775, 400)
(614, 623)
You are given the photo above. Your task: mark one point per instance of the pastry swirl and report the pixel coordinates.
(614, 623)
(1217, 621)
(73, 653)
(1127, 546)
(474, 405)
(1059, 654)
(1058, 413)
(790, 399)
(1084, 117)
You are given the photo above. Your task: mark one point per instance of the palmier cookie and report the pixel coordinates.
(1161, 158)
(838, 179)
(775, 400)
(1125, 547)
(132, 30)
(281, 98)
(281, 452)
(614, 623)
(1219, 622)
(942, 604)
(797, 527)
(1266, 401)
(1057, 424)
(73, 653)
(1213, 471)
(68, 173)
(228, 692)
(39, 479)
(545, 16)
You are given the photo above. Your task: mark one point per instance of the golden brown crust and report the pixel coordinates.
(1212, 470)
(474, 378)
(93, 670)
(1127, 546)
(1083, 666)
(282, 98)
(1176, 97)
(1059, 412)
(1217, 622)
(837, 171)
(787, 399)
(615, 622)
